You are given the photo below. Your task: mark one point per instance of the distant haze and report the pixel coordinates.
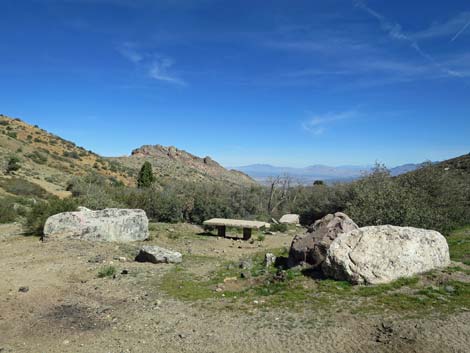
(307, 175)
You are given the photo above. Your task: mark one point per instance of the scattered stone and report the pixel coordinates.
(156, 254)
(229, 279)
(290, 219)
(124, 272)
(111, 224)
(311, 248)
(246, 264)
(98, 259)
(120, 258)
(23, 289)
(381, 254)
(269, 259)
(245, 275)
(449, 289)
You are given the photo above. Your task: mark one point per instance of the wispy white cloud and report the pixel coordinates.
(159, 71)
(461, 31)
(394, 31)
(318, 124)
(128, 51)
(453, 28)
(156, 66)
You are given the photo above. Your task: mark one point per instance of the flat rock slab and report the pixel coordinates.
(381, 254)
(236, 223)
(156, 254)
(290, 219)
(111, 224)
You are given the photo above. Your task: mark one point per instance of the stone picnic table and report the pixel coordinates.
(223, 223)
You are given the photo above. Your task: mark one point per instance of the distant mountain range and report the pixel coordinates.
(307, 175)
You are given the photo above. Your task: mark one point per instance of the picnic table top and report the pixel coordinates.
(237, 223)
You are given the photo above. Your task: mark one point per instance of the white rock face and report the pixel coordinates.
(111, 224)
(156, 254)
(381, 254)
(290, 219)
(269, 259)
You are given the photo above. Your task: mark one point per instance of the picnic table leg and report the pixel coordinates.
(221, 231)
(246, 233)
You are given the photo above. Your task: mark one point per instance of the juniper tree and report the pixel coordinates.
(13, 164)
(145, 178)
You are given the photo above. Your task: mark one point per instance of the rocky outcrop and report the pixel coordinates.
(156, 254)
(111, 224)
(311, 248)
(290, 219)
(381, 254)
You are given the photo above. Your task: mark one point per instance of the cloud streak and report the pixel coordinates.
(156, 66)
(454, 27)
(460, 32)
(394, 31)
(318, 124)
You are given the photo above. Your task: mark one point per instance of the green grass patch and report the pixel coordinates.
(107, 271)
(275, 288)
(459, 245)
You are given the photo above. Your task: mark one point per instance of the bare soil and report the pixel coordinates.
(52, 300)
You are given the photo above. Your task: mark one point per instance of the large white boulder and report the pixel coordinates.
(111, 224)
(290, 219)
(381, 254)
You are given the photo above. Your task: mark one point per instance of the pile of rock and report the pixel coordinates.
(378, 254)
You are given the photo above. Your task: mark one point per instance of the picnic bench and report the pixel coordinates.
(222, 223)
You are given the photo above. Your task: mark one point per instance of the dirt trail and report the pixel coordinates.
(64, 307)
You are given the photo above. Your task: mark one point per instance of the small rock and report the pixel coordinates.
(156, 254)
(97, 259)
(244, 274)
(269, 259)
(449, 289)
(23, 289)
(124, 272)
(246, 264)
(229, 279)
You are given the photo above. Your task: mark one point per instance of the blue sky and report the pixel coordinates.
(282, 82)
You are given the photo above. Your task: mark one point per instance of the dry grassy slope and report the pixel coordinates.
(456, 169)
(50, 161)
(172, 163)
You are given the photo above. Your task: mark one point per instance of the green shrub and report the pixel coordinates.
(279, 227)
(13, 164)
(107, 271)
(12, 134)
(22, 187)
(71, 154)
(146, 177)
(7, 211)
(37, 157)
(42, 210)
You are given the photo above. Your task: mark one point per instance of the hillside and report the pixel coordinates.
(455, 170)
(49, 161)
(172, 163)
